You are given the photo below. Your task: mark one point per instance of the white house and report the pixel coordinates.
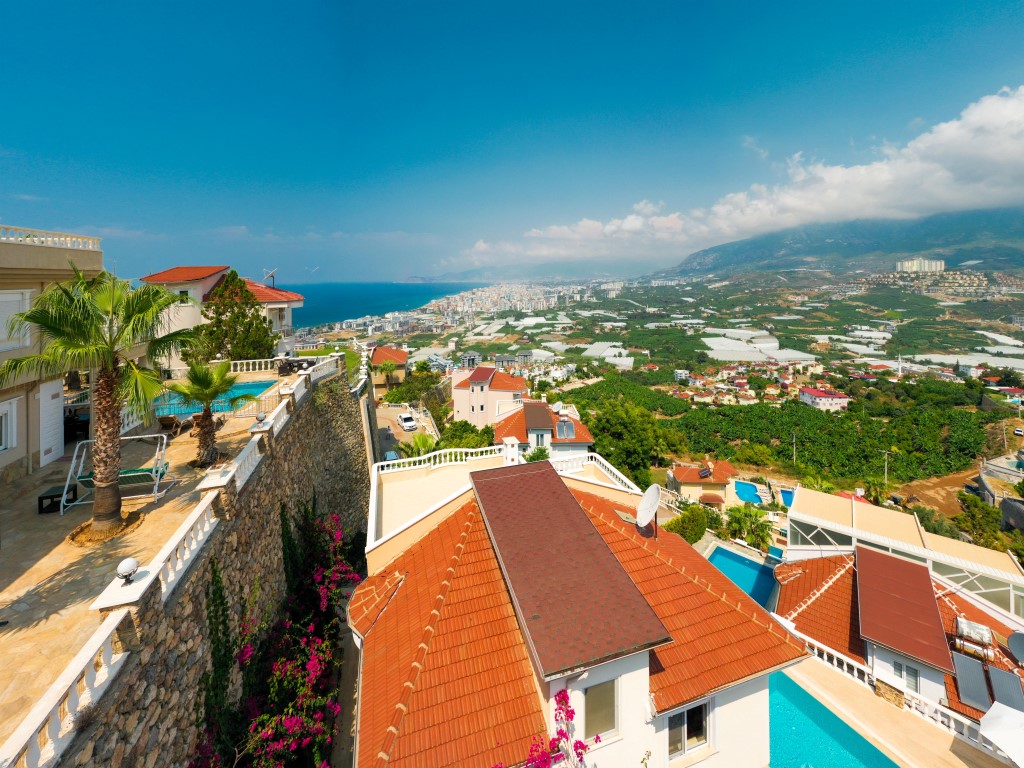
(823, 399)
(196, 283)
(484, 395)
(538, 425)
(528, 582)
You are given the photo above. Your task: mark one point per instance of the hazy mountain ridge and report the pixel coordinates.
(993, 237)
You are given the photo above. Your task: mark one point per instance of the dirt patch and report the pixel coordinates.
(940, 492)
(82, 535)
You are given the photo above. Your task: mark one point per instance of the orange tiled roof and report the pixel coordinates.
(830, 615)
(264, 294)
(444, 665)
(721, 473)
(396, 356)
(514, 425)
(182, 274)
(500, 381)
(720, 636)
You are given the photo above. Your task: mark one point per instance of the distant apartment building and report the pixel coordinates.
(197, 283)
(919, 265)
(824, 399)
(483, 395)
(32, 407)
(1017, 320)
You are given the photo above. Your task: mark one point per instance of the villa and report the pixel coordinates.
(32, 411)
(484, 395)
(195, 283)
(709, 482)
(383, 354)
(824, 399)
(493, 585)
(539, 425)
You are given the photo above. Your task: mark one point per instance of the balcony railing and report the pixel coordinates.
(24, 236)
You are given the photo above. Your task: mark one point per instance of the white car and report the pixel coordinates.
(1019, 432)
(407, 422)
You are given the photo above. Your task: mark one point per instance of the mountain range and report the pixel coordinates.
(986, 240)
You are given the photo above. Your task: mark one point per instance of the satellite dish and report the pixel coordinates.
(648, 506)
(1015, 642)
(268, 274)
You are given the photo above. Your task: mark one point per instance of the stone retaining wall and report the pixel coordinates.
(148, 717)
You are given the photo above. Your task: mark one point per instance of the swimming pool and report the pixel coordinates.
(806, 734)
(755, 579)
(748, 492)
(171, 404)
(787, 496)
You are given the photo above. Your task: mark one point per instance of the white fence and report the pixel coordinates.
(248, 366)
(444, 458)
(578, 463)
(952, 722)
(50, 725)
(50, 239)
(174, 559)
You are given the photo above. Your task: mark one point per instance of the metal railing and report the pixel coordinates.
(24, 236)
(77, 398)
(49, 726)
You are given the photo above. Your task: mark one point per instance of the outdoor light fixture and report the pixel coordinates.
(260, 417)
(126, 569)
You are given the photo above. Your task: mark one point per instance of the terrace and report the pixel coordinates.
(48, 584)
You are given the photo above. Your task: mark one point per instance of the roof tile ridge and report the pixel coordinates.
(822, 588)
(389, 585)
(419, 662)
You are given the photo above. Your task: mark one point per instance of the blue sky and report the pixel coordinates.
(381, 140)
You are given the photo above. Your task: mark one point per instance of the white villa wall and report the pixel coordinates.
(567, 450)
(635, 732)
(880, 659)
(479, 405)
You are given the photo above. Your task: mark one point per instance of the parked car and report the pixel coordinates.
(407, 422)
(391, 456)
(1019, 432)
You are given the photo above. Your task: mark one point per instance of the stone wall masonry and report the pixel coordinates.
(148, 716)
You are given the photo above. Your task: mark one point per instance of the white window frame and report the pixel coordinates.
(9, 425)
(13, 343)
(902, 671)
(615, 709)
(688, 750)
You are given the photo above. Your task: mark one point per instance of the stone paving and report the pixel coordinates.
(47, 583)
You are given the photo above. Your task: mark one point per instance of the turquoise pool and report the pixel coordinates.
(748, 492)
(787, 496)
(806, 734)
(171, 404)
(753, 578)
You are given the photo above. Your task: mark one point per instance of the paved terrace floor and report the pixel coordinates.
(47, 583)
(906, 738)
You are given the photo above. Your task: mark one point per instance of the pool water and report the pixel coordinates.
(748, 492)
(806, 734)
(787, 496)
(755, 579)
(171, 404)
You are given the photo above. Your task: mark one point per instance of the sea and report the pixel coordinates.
(334, 302)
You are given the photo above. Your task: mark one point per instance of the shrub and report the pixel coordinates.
(540, 453)
(690, 523)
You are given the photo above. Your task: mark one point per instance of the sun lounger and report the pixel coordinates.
(174, 425)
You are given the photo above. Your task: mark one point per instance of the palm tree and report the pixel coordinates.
(420, 445)
(875, 490)
(101, 324)
(203, 386)
(388, 367)
(759, 530)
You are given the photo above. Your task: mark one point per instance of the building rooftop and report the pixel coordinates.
(720, 473)
(519, 421)
(533, 518)
(824, 393)
(897, 608)
(265, 294)
(382, 354)
(495, 380)
(183, 274)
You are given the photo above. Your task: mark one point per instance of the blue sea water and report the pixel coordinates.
(806, 734)
(333, 302)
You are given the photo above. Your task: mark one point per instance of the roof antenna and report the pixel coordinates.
(647, 509)
(269, 275)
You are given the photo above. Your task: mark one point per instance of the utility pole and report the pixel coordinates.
(794, 448)
(886, 478)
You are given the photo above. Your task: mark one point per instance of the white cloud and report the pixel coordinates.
(973, 161)
(749, 142)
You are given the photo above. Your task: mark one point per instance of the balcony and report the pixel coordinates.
(22, 236)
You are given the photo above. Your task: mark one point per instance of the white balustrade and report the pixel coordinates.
(174, 559)
(578, 463)
(49, 726)
(250, 366)
(326, 368)
(279, 417)
(299, 389)
(247, 462)
(24, 236)
(130, 419)
(444, 458)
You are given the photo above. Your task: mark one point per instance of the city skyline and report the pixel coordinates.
(385, 142)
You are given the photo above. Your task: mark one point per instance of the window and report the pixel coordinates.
(8, 424)
(11, 302)
(540, 439)
(599, 709)
(908, 674)
(688, 730)
(185, 297)
(566, 430)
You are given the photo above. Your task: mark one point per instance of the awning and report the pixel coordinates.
(1004, 727)
(711, 498)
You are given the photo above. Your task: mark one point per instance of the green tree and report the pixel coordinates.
(690, 523)
(99, 324)
(462, 434)
(981, 521)
(420, 445)
(625, 435)
(1019, 488)
(750, 524)
(388, 368)
(540, 453)
(235, 325)
(422, 366)
(875, 490)
(754, 453)
(933, 522)
(203, 386)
